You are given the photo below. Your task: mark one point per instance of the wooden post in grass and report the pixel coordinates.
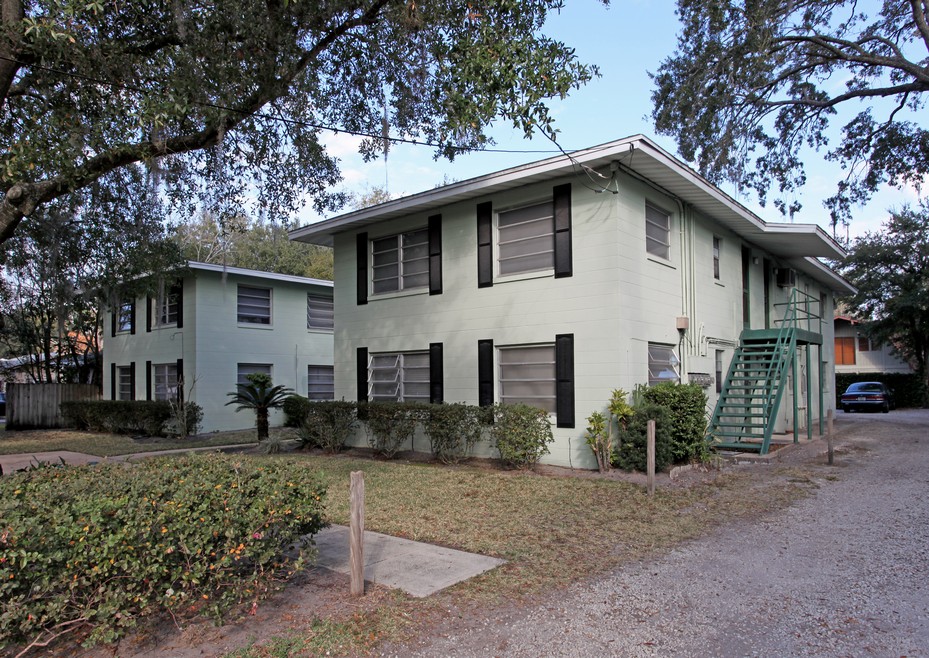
(650, 458)
(829, 435)
(356, 531)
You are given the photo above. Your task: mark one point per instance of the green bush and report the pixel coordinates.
(95, 548)
(521, 434)
(687, 405)
(453, 429)
(295, 410)
(327, 424)
(146, 417)
(390, 424)
(908, 390)
(631, 454)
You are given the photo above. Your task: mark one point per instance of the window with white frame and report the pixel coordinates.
(254, 305)
(719, 371)
(657, 232)
(124, 383)
(526, 239)
(124, 315)
(527, 376)
(165, 376)
(662, 364)
(319, 312)
(717, 247)
(166, 307)
(400, 262)
(400, 377)
(320, 383)
(245, 369)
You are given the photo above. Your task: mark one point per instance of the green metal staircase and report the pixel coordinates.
(745, 413)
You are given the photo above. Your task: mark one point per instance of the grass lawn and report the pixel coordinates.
(106, 445)
(552, 531)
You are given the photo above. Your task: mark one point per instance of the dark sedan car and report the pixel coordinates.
(2, 403)
(868, 396)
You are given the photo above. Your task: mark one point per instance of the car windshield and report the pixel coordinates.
(866, 387)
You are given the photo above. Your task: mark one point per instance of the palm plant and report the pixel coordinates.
(260, 396)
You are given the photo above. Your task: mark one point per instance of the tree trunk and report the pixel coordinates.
(262, 422)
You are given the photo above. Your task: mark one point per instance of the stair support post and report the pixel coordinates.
(809, 395)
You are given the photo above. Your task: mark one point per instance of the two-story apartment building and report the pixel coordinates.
(555, 282)
(213, 326)
(858, 354)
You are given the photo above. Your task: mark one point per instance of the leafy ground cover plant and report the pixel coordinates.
(453, 429)
(91, 550)
(521, 434)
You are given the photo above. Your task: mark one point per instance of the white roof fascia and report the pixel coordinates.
(821, 272)
(258, 274)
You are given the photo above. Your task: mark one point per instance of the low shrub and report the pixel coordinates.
(521, 434)
(687, 406)
(295, 410)
(631, 453)
(453, 429)
(147, 417)
(92, 549)
(390, 424)
(327, 424)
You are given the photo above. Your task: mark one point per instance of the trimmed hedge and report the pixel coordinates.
(295, 409)
(521, 434)
(453, 430)
(148, 417)
(631, 454)
(687, 406)
(390, 424)
(908, 390)
(326, 424)
(93, 549)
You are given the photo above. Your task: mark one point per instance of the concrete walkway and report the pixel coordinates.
(417, 568)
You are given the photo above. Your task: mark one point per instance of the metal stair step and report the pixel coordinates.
(737, 445)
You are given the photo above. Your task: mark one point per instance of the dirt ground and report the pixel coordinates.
(318, 594)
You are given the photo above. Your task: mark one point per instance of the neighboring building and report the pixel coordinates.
(856, 353)
(556, 282)
(212, 327)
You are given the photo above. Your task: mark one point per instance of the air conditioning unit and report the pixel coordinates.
(786, 277)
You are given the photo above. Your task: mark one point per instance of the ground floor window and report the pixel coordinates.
(527, 376)
(124, 383)
(165, 376)
(662, 364)
(719, 371)
(245, 369)
(320, 383)
(398, 377)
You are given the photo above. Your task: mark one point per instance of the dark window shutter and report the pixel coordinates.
(436, 374)
(485, 246)
(361, 267)
(132, 319)
(132, 380)
(362, 361)
(148, 380)
(114, 319)
(148, 314)
(561, 200)
(112, 381)
(435, 255)
(485, 372)
(564, 379)
(180, 380)
(180, 303)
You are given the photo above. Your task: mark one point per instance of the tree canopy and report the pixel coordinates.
(890, 268)
(224, 102)
(752, 84)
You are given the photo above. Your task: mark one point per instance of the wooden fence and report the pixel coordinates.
(37, 406)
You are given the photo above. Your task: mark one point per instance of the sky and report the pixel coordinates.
(625, 40)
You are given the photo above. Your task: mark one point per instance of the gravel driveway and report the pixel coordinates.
(844, 572)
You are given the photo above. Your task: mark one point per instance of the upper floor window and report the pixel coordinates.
(657, 232)
(867, 345)
(717, 244)
(166, 307)
(254, 305)
(400, 377)
(125, 315)
(400, 262)
(662, 364)
(844, 351)
(319, 313)
(525, 237)
(527, 376)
